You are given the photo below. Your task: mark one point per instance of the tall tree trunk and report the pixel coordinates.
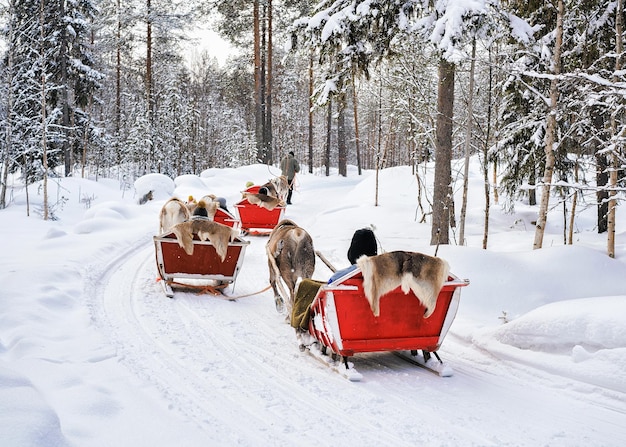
(8, 129)
(310, 102)
(443, 154)
(86, 128)
(496, 114)
(149, 93)
(44, 145)
(268, 90)
(329, 126)
(532, 181)
(615, 136)
(495, 183)
(486, 154)
(570, 238)
(468, 143)
(602, 195)
(263, 78)
(258, 98)
(411, 145)
(356, 126)
(550, 132)
(341, 135)
(379, 143)
(118, 84)
(65, 92)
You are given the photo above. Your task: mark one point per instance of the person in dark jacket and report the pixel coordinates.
(289, 166)
(363, 243)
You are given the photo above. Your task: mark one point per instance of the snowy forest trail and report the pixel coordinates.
(202, 354)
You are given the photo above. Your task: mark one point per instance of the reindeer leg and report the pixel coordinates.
(275, 276)
(278, 300)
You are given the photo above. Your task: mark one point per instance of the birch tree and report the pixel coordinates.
(617, 134)
(468, 142)
(551, 129)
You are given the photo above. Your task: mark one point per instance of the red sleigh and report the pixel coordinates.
(342, 322)
(204, 264)
(256, 219)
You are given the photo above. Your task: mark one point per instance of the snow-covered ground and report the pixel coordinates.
(92, 353)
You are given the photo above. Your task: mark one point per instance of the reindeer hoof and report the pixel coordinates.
(280, 305)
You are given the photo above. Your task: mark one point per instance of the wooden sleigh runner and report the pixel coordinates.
(341, 324)
(257, 218)
(204, 269)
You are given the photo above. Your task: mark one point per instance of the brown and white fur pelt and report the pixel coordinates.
(219, 235)
(210, 203)
(263, 200)
(277, 187)
(422, 274)
(174, 211)
(291, 257)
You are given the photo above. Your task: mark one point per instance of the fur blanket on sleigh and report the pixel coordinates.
(422, 274)
(305, 294)
(217, 234)
(263, 200)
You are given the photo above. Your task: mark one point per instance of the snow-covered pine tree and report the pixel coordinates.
(352, 35)
(588, 89)
(73, 75)
(595, 96)
(56, 50)
(28, 50)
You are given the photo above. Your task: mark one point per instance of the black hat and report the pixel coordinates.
(363, 243)
(200, 210)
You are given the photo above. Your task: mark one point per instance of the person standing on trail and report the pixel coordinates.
(289, 167)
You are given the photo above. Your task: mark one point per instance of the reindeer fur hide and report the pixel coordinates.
(422, 274)
(217, 234)
(278, 187)
(263, 200)
(206, 208)
(210, 202)
(174, 211)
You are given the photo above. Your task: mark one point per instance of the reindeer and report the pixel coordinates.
(281, 186)
(173, 212)
(277, 188)
(291, 257)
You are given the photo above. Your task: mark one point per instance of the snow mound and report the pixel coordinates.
(161, 186)
(26, 419)
(588, 323)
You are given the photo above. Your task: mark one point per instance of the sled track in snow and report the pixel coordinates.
(201, 354)
(198, 351)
